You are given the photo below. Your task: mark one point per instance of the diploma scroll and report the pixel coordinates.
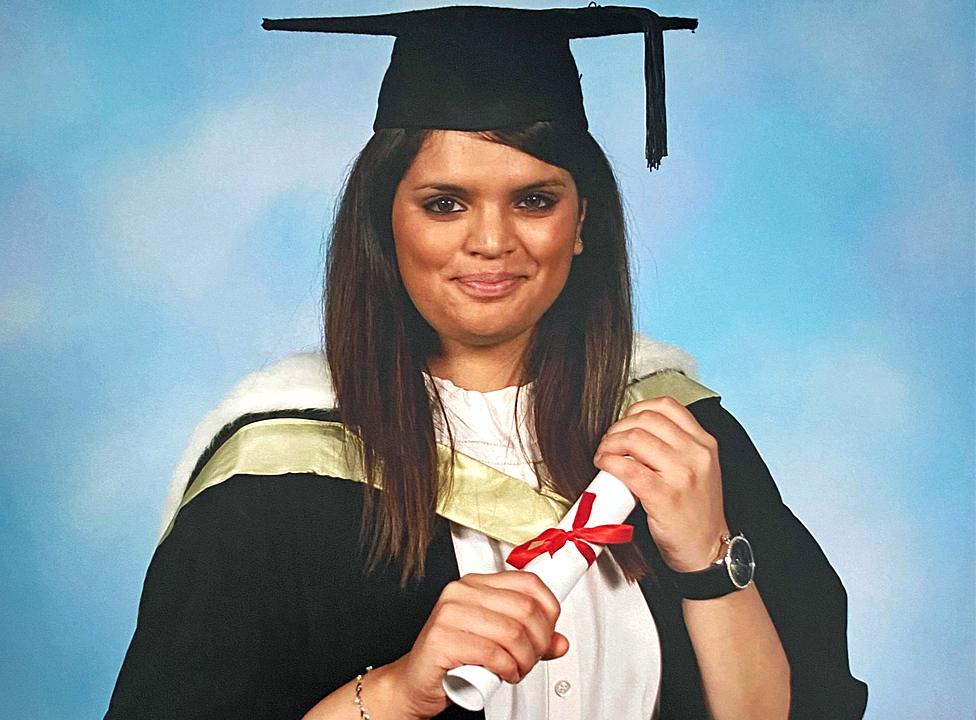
(559, 556)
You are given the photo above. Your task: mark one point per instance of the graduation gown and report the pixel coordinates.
(256, 603)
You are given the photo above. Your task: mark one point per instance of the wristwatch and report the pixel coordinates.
(729, 573)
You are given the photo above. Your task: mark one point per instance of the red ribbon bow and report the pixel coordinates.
(552, 539)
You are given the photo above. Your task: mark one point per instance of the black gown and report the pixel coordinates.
(256, 605)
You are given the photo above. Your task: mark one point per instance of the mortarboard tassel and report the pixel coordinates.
(656, 122)
(655, 117)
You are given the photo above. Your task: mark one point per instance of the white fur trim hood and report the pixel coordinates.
(303, 381)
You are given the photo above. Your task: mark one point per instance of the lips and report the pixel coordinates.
(489, 285)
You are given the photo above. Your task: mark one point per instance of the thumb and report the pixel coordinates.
(558, 646)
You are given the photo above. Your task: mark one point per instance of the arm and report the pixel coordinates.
(672, 466)
(213, 637)
(743, 666)
(802, 594)
(504, 621)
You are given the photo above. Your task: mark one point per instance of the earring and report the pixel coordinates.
(579, 246)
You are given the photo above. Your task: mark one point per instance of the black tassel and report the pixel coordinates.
(656, 122)
(655, 117)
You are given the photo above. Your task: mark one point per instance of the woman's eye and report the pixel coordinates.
(537, 201)
(443, 205)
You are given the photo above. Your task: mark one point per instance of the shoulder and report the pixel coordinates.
(261, 516)
(297, 382)
(659, 369)
(651, 356)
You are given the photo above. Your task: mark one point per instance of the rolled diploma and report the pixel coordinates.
(470, 686)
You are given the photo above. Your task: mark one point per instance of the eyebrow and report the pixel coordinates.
(553, 182)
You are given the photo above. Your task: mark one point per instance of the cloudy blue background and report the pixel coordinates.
(167, 173)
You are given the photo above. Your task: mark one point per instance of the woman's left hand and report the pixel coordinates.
(670, 464)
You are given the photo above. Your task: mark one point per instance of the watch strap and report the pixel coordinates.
(714, 581)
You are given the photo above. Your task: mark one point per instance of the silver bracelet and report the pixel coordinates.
(363, 712)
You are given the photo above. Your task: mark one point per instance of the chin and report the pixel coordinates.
(489, 336)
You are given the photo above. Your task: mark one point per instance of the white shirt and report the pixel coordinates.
(613, 667)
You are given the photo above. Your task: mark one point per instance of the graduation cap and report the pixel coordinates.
(468, 67)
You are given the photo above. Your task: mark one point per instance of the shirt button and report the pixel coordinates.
(562, 688)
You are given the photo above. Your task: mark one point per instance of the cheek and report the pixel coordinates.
(420, 249)
(552, 249)
(422, 255)
(559, 268)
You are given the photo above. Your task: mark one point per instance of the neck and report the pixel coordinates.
(480, 367)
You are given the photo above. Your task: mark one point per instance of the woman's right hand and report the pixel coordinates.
(503, 621)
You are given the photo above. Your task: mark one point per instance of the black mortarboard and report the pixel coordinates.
(468, 67)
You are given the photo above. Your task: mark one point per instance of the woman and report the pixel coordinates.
(477, 301)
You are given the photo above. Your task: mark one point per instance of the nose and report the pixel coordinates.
(492, 233)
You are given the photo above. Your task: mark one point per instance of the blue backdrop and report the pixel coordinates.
(167, 174)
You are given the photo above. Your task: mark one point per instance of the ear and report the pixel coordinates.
(578, 248)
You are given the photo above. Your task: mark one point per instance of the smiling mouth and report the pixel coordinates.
(489, 285)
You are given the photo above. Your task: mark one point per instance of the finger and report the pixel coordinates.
(523, 582)
(450, 647)
(657, 424)
(679, 466)
(676, 412)
(647, 449)
(558, 646)
(645, 484)
(522, 607)
(510, 633)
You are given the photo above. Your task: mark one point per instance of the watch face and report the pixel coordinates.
(741, 563)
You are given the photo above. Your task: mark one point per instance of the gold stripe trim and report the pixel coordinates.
(481, 497)
(667, 382)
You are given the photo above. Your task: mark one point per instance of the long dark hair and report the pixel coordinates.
(378, 344)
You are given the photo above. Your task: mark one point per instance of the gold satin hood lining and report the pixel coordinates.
(481, 497)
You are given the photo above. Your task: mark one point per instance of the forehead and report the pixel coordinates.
(461, 157)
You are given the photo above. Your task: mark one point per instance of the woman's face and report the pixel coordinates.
(485, 235)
